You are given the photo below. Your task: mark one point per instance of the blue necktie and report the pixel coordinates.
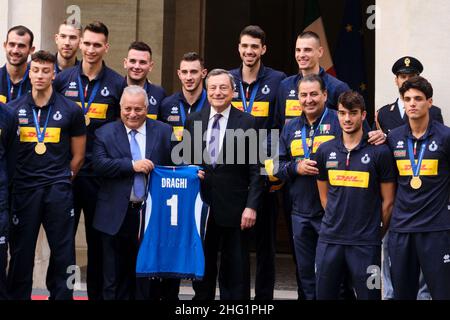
(214, 142)
(139, 178)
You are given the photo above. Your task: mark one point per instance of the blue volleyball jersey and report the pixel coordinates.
(175, 220)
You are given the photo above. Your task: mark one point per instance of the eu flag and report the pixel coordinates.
(349, 54)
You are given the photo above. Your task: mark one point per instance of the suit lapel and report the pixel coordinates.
(122, 139)
(205, 119)
(151, 136)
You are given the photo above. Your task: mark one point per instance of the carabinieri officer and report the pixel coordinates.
(356, 183)
(97, 89)
(419, 236)
(50, 152)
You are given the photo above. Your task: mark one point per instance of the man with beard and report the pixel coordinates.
(14, 81)
(67, 41)
(255, 92)
(139, 64)
(191, 98)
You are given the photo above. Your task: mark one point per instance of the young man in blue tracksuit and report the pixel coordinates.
(419, 236)
(356, 183)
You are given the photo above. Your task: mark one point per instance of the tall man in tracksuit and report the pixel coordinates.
(387, 118)
(48, 155)
(356, 184)
(256, 88)
(419, 235)
(7, 134)
(97, 89)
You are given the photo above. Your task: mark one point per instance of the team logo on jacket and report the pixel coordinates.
(71, 93)
(366, 159)
(174, 110)
(399, 153)
(57, 116)
(73, 85)
(292, 93)
(105, 92)
(298, 134)
(447, 258)
(332, 164)
(332, 156)
(152, 101)
(22, 113)
(400, 144)
(265, 90)
(173, 118)
(433, 146)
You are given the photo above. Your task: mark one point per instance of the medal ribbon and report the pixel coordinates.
(306, 148)
(416, 167)
(41, 135)
(82, 95)
(199, 106)
(8, 81)
(249, 106)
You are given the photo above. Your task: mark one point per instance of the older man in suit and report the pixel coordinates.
(232, 186)
(125, 152)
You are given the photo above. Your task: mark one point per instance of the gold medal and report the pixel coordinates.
(40, 148)
(416, 183)
(87, 119)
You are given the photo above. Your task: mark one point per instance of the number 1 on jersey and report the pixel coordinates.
(173, 204)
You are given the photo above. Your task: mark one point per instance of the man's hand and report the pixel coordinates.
(143, 166)
(248, 219)
(376, 137)
(201, 174)
(307, 167)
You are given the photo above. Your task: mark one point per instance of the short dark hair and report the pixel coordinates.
(351, 100)
(21, 31)
(43, 56)
(193, 56)
(254, 32)
(97, 27)
(309, 34)
(75, 24)
(313, 78)
(140, 46)
(418, 83)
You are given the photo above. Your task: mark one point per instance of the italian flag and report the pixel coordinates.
(314, 22)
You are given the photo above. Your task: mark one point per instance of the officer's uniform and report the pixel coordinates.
(389, 116)
(7, 133)
(175, 109)
(350, 233)
(42, 193)
(260, 102)
(10, 91)
(104, 108)
(288, 106)
(419, 236)
(306, 211)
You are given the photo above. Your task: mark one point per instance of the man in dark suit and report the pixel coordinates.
(117, 159)
(232, 187)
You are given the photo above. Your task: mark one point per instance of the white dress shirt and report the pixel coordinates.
(141, 140)
(401, 107)
(223, 121)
